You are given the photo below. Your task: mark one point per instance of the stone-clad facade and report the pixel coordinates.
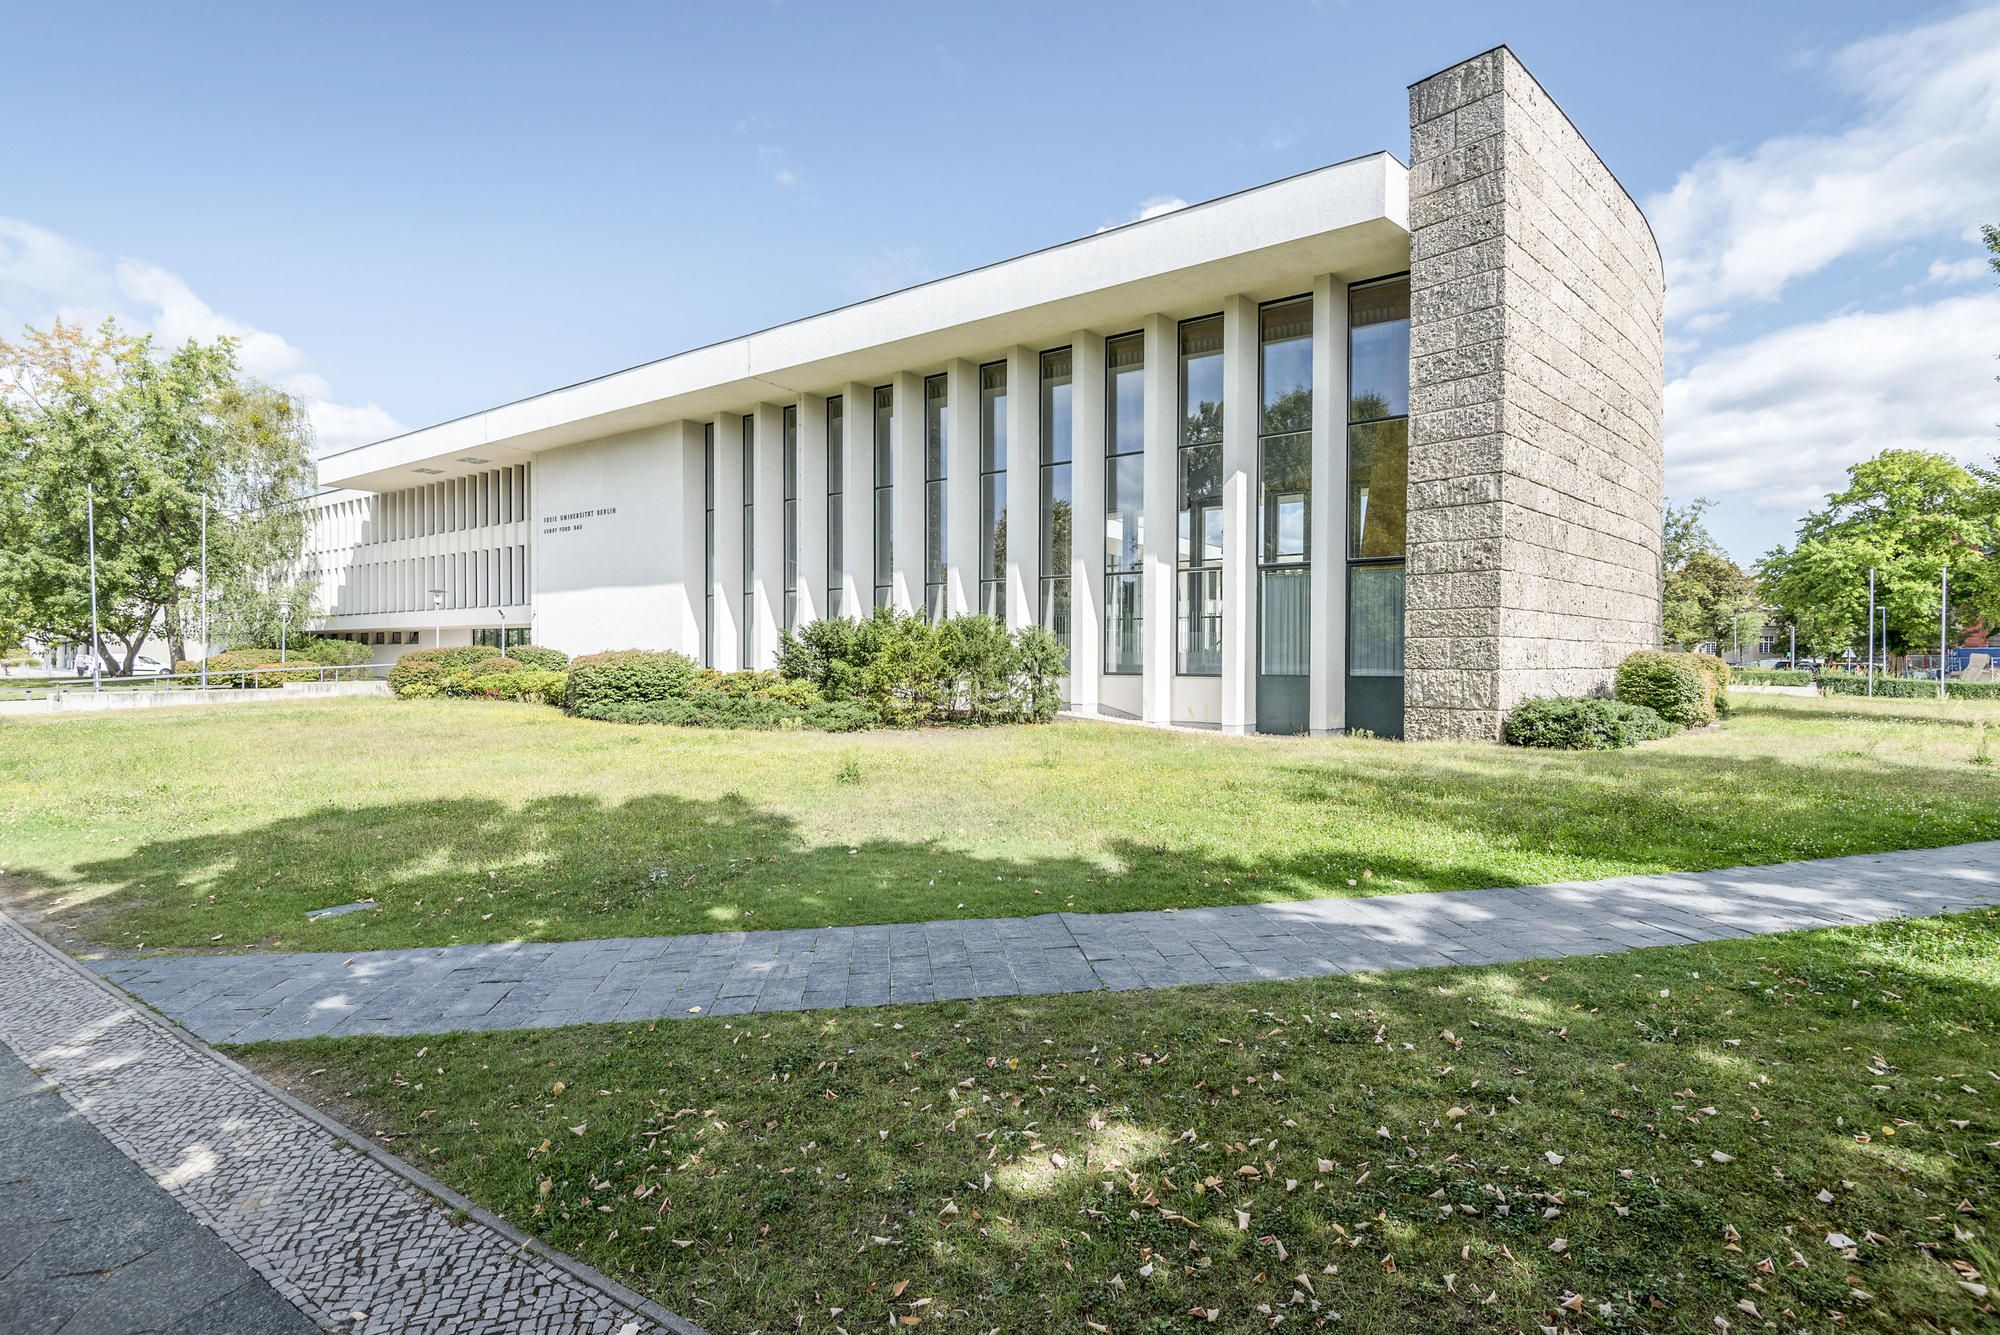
(1536, 373)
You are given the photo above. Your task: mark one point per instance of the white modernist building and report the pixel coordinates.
(1373, 446)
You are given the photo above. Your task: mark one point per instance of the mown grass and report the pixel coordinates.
(1656, 1141)
(476, 821)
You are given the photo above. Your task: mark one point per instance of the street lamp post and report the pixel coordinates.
(1944, 595)
(284, 615)
(96, 639)
(503, 628)
(437, 613)
(1871, 630)
(204, 593)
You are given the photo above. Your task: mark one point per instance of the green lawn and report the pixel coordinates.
(1657, 1139)
(484, 821)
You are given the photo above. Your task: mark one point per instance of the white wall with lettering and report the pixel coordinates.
(611, 547)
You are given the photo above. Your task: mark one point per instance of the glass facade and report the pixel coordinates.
(993, 489)
(1378, 467)
(836, 486)
(1284, 492)
(708, 544)
(1198, 633)
(747, 437)
(1057, 434)
(1124, 496)
(791, 467)
(885, 494)
(937, 446)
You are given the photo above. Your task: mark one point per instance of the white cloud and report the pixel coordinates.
(44, 276)
(1777, 420)
(1953, 272)
(1153, 207)
(1921, 158)
(777, 165)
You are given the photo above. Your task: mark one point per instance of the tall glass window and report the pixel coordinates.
(885, 494)
(1284, 496)
(1124, 500)
(1378, 469)
(836, 485)
(708, 544)
(937, 446)
(1198, 638)
(1056, 527)
(747, 435)
(791, 466)
(993, 489)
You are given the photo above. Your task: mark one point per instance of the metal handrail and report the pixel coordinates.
(218, 679)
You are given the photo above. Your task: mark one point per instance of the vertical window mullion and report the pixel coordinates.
(836, 487)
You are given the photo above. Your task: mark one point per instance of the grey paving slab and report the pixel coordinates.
(147, 1184)
(238, 998)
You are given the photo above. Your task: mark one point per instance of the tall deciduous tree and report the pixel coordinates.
(147, 438)
(1909, 515)
(1705, 593)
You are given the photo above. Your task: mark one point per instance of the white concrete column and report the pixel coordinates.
(906, 447)
(1160, 495)
(1326, 685)
(857, 564)
(961, 489)
(686, 553)
(1241, 400)
(1086, 535)
(768, 567)
(812, 510)
(725, 654)
(1025, 540)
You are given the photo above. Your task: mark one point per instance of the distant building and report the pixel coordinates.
(1373, 447)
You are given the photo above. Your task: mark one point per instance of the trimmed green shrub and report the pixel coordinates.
(1671, 685)
(228, 669)
(1773, 676)
(434, 667)
(520, 683)
(718, 709)
(1715, 667)
(339, 653)
(966, 669)
(628, 676)
(1565, 723)
(1907, 688)
(548, 660)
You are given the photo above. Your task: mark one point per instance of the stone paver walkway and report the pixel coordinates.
(242, 998)
(92, 1243)
(344, 1237)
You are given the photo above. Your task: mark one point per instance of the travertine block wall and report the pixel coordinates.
(1536, 371)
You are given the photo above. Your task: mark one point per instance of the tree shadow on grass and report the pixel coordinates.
(1393, 819)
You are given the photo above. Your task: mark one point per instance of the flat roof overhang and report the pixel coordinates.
(1349, 219)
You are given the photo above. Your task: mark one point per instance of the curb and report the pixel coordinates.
(523, 1242)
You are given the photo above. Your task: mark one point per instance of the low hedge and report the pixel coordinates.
(1566, 723)
(533, 685)
(1774, 676)
(548, 660)
(629, 676)
(433, 667)
(1675, 686)
(1907, 688)
(335, 653)
(718, 709)
(229, 669)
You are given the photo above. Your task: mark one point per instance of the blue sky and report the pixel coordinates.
(412, 212)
